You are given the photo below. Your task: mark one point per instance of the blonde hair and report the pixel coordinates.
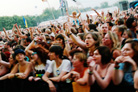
(115, 40)
(74, 13)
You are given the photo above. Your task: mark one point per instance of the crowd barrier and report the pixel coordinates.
(23, 85)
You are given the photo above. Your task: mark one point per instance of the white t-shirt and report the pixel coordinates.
(65, 66)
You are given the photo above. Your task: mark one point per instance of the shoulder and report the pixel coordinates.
(66, 61)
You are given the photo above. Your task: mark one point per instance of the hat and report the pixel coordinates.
(18, 51)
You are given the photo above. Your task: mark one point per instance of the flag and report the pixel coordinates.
(78, 3)
(44, 0)
(25, 22)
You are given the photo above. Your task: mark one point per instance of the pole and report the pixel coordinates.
(51, 10)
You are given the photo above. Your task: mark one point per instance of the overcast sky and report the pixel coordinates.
(36, 7)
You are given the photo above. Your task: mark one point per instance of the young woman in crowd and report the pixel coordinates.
(125, 66)
(92, 40)
(75, 18)
(112, 42)
(101, 68)
(22, 69)
(79, 73)
(59, 67)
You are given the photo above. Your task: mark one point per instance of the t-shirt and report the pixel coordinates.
(128, 77)
(65, 66)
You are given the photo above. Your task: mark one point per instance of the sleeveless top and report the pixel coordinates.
(96, 88)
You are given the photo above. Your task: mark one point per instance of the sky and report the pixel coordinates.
(36, 7)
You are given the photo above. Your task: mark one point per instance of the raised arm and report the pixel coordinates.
(75, 39)
(68, 13)
(7, 35)
(79, 13)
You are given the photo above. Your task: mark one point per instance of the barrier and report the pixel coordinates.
(23, 85)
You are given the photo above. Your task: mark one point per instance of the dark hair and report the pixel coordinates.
(28, 39)
(129, 22)
(92, 26)
(61, 37)
(19, 47)
(73, 51)
(120, 21)
(110, 23)
(105, 54)
(134, 46)
(17, 51)
(41, 54)
(0, 38)
(57, 49)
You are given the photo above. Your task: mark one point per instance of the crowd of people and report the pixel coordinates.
(97, 54)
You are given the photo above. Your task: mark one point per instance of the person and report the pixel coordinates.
(22, 69)
(112, 42)
(75, 18)
(79, 73)
(92, 40)
(126, 65)
(59, 67)
(100, 71)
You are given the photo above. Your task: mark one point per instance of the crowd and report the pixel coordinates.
(99, 54)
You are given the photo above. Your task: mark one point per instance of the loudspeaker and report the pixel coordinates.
(123, 5)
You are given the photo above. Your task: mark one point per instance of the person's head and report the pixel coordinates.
(60, 39)
(131, 22)
(120, 21)
(79, 59)
(11, 59)
(92, 39)
(110, 25)
(19, 55)
(39, 53)
(55, 51)
(72, 52)
(92, 27)
(127, 34)
(102, 55)
(111, 40)
(74, 13)
(27, 41)
(119, 30)
(104, 29)
(81, 36)
(131, 49)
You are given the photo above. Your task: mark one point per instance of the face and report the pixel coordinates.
(104, 28)
(20, 57)
(11, 59)
(89, 41)
(125, 35)
(52, 55)
(97, 57)
(106, 40)
(76, 62)
(115, 30)
(58, 40)
(34, 56)
(127, 50)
